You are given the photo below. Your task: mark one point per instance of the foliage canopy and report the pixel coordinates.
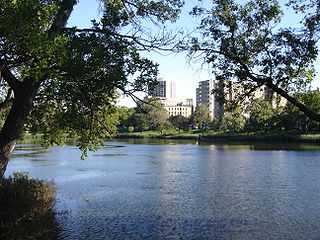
(245, 42)
(72, 76)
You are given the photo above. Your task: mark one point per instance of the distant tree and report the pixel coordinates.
(125, 115)
(201, 116)
(150, 115)
(263, 115)
(130, 129)
(233, 119)
(157, 116)
(180, 122)
(139, 120)
(215, 124)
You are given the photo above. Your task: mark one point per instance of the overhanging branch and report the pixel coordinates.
(312, 115)
(7, 75)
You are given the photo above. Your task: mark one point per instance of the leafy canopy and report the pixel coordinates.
(78, 72)
(245, 43)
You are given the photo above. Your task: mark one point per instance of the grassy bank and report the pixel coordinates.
(228, 136)
(211, 135)
(26, 207)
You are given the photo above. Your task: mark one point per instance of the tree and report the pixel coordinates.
(311, 9)
(139, 120)
(202, 116)
(180, 122)
(130, 129)
(73, 72)
(125, 114)
(157, 115)
(233, 119)
(294, 118)
(245, 43)
(263, 115)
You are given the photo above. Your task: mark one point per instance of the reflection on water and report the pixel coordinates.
(166, 189)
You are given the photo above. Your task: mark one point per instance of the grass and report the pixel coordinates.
(212, 135)
(26, 207)
(223, 135)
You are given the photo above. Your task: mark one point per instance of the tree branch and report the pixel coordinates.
(269, 83)
(12, 81)
(61, 19)
(146, 44)
(312, 115)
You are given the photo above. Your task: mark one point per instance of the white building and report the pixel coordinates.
(176, 106)
(207, 94)
(176, 101)
(185, 111)
(165, 89)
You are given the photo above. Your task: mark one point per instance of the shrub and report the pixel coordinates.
(26, 207)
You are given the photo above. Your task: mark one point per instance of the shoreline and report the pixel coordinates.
(298, 138)
(215, 137)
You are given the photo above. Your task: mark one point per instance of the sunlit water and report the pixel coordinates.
(181, 190)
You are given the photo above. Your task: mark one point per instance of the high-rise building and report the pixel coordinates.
(165, 92)
(208, 94)
(165, 89)
(214, 92)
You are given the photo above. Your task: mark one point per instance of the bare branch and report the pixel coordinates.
(154, 43)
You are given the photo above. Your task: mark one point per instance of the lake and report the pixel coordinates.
(166, 189)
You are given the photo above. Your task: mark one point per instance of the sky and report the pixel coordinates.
(172, 66)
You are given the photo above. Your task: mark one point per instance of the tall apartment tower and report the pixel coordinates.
(165, 89)
(207, 94)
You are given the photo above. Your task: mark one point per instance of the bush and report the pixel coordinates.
(26, 207)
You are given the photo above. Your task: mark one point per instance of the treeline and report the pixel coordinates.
(258, 114)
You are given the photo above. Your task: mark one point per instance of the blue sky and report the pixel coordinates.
(172, 66)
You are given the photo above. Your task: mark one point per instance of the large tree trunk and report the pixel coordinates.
(24, 93)
(13, 126)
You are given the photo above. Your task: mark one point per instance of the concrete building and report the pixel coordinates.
(176, 106)
(165, 89)
(208, 94)
(176, 101)
(213, 92)
(185, 111)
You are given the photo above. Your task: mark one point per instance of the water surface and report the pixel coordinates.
(158, 189)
